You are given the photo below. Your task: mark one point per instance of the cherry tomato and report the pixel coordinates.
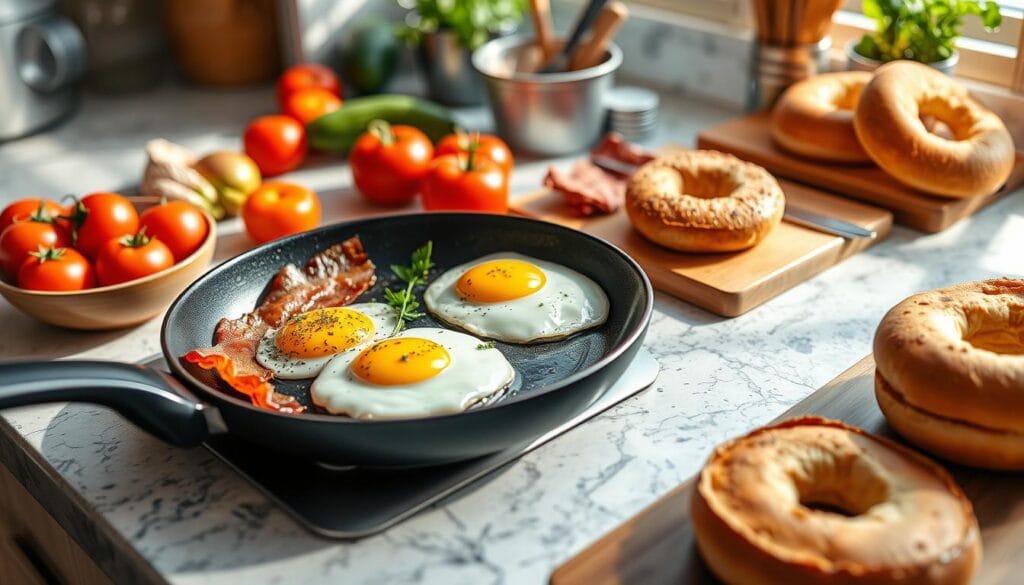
(279, 209)
(22, 208)
(277, 144)
(178, 224)
(459, 182)
(309, 104)
(304, 76)
(56, 269)
(130, 257)
(388, 162)
(487, 146)
(24, 237)
(100, 217)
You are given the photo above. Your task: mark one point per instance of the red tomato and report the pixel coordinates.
(388, 162)
(487, 146)
(279, 209)
(100, 217)
(178, 224)
(25, 237)
(21, 209)
(309, 104)
(461, 183)
(298, 77)
(56, 269)
(276, 143)
(130, 257)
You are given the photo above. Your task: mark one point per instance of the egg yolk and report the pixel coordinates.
(400, 361)
(500, 280)
(323, 332)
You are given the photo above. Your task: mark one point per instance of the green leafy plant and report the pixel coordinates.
(922, 30)
(471, 21)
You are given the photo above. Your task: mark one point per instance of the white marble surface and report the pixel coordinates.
(197, 522)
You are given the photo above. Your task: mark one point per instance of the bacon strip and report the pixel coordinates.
(332, 278)
(587, 188)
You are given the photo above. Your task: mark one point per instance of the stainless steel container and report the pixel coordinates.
(446, 66)
(777, 67)
(42, 55)
(550, 114)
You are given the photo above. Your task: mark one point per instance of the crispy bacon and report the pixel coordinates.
(589, 189)
(332, 278)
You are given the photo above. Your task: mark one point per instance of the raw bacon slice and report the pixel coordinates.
(614, 146)
(332, 278)
(589, 189)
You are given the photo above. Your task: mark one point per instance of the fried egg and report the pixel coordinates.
(419, 372)
(518, 299)
(301, 347)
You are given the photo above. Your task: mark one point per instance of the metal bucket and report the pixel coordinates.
(450, 77)
(549, 114)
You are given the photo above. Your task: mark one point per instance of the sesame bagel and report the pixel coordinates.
(704, 201)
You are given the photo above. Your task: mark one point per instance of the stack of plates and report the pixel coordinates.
(632, 112)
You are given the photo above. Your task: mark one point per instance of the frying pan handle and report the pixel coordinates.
(151, 399)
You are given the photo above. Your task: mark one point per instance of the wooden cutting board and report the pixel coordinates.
(729, 284)
(656, 547)
(750, 139)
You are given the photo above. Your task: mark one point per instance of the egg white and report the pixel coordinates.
(287, 367)
(476, 371)
(567, 303)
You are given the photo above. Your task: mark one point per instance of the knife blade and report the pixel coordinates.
(793, 213)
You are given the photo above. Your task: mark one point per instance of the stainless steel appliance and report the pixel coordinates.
(42, 55)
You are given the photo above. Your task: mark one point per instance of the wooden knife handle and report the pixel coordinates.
(592, 52)
(545, 39)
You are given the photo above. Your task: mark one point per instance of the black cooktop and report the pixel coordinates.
(355, 502)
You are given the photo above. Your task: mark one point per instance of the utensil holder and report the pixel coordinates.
(777, 67)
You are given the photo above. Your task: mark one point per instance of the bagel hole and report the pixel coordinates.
(828, 508)
(996, 331)
(941, 119)
(708, 183)
(844, 484)
(847, 99)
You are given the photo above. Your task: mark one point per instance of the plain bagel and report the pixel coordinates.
(816, 502)
(704, 201)
(889, 124)
(950, 372)
(814, 118)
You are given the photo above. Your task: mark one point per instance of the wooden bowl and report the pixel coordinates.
(119, 305)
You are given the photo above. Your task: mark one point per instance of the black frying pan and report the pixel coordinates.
(555, 380)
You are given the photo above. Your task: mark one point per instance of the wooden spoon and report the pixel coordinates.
(591, 53)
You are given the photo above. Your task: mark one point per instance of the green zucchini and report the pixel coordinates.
(338, 130)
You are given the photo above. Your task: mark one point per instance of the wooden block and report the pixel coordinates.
(750, 138)
(729, 284)
(656, 546)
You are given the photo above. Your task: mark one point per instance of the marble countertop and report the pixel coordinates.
(152, 513)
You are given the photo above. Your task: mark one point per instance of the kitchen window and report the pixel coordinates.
(996, 58)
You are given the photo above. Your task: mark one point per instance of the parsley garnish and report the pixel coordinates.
(486, 345)
(412, 275)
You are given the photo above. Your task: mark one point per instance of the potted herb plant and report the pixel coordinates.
(446, 32)
(920, 30)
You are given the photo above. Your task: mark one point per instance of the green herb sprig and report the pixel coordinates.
(412, 275)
